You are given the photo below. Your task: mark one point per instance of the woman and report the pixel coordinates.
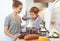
(13, 22)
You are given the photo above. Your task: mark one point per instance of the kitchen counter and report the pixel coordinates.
(51, 39)
(26, 40)
(54, 39)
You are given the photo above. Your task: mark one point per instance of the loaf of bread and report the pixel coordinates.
(31, 36)
(22, 36)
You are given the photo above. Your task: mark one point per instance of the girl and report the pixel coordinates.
(13, 22)
(34, 19)
(34, 22)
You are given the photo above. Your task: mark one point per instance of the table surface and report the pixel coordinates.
(51, 38)
(26, 40)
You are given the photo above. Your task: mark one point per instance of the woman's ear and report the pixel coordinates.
(13, 7)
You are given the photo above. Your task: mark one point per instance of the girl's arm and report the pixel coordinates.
(26, 18)
(23, 26)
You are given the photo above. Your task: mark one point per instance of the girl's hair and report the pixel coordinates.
(34, 10)
(16, 3)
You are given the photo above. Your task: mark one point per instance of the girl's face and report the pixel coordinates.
(33, 15)
(18, 9)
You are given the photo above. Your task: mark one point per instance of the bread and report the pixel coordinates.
(31, 36)
(22, 36)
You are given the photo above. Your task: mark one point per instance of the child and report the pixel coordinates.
(34, 19)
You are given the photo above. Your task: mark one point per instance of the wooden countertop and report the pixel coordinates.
(26, 40)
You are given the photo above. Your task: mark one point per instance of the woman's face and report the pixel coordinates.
(33, 15)
(18, 9)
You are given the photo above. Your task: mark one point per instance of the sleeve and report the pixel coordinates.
(27, 18)
(7, 21)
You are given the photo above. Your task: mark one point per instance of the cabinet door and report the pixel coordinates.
(44, 1)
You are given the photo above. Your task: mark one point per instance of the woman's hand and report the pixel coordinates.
(16, 35)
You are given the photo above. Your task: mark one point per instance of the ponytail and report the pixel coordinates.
(16, 3)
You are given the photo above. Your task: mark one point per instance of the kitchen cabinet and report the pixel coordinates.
(44, 1)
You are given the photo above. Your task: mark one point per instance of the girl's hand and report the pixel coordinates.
(24, 17)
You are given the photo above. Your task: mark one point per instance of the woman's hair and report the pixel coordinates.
(34, 10)
(16, 3)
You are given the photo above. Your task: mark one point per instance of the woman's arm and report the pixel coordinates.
(7, 32)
